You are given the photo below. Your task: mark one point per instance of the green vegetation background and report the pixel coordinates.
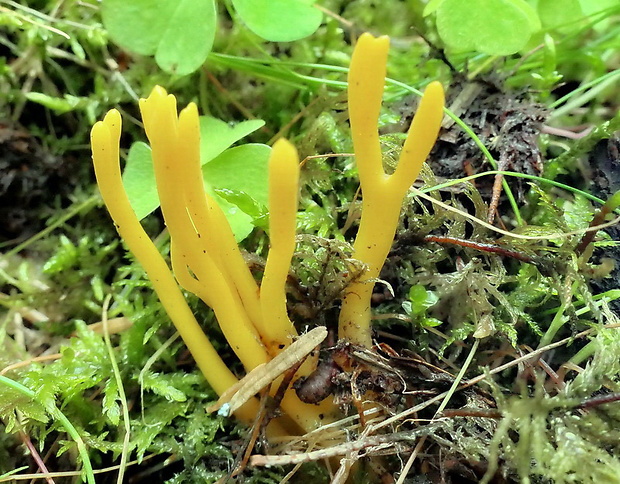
(134, 398)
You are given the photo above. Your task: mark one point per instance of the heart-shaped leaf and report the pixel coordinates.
(230, 170)
(217, 135)
(136, 25)
(431, 6)
(551, 16)
(242, 169)
(495, 27)
(179, 33)
(279, 20)
(139, 180)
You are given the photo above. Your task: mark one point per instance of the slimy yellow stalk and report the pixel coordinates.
(276, 327)
(175, 145)
(382, 194)
(105, 138)
(205, 257)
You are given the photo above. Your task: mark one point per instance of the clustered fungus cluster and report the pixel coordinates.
(204, 256)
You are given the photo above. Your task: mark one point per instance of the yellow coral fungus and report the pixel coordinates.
(105, 144)
(175, 144)
(204, 255)
(382, 194)
(283, 187)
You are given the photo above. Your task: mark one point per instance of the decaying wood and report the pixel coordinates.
(371, 444)
(264, 374)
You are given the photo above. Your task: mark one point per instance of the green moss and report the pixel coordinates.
(67, 274)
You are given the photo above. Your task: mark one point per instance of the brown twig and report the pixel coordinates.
(497, 191)
(35, 455)
(472, 412)
(265, 414)
(482, 246)
(588, 237)
(376, 442)
(599, 400)
(242, 458)
(20, 364)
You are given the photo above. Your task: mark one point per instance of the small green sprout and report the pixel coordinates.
(420, 300)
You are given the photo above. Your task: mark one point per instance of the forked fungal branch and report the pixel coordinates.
(382, 194)
(204, 255)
